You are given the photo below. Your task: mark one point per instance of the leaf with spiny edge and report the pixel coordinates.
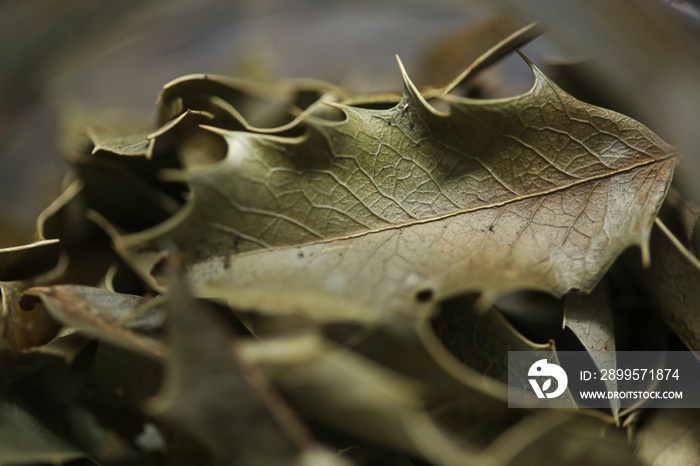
(410, 204)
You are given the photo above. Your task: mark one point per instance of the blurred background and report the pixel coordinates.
(66, 64)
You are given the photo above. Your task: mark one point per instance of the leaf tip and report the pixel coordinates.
(410, 88)
(412, 91)
(525, 59)
(539, 75)
(214, 129)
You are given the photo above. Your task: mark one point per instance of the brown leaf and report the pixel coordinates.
(216, 397)
(102, 314)
(347, 391)
(414, 205)
(669, 437)
(562, 438)
(481, 339)
(20, 268)
(672, 281)
(590, 317)
(25, 441)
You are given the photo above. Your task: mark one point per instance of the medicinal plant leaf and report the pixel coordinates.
(668, 437)
(25, 441)
(561, 437)
(590, 317)
(20, 268)
(104, 315)
(342, 389)
(412, 204)
(481, 341)
(672, 281)
(214, 396)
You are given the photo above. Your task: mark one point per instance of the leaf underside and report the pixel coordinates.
(539, 191)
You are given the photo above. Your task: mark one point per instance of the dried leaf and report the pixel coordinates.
(562, 438)
(481, 340)
(25, 441)
(672, 281)
(132, 312)
(344, 390)
(238, 104)
(384, 200)
(67, 346)
(336, 228)
(22, 267)
(504, 47)
(591, 319)
(669, 437)
(102, 314)
(213, 395)
(680, 215)
(29, 260)
(446, 56)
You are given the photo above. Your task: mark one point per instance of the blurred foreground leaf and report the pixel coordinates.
(591, 319)
(102, 314)
(673, 279)
(214, 396)
(669, 437)
(25, 441)
(20, 268)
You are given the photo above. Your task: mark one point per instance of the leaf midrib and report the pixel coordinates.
(465, 211)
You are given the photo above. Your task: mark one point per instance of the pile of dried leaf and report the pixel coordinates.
(286, 274)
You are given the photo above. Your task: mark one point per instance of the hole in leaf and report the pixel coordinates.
(423, 296)
(28, 302)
